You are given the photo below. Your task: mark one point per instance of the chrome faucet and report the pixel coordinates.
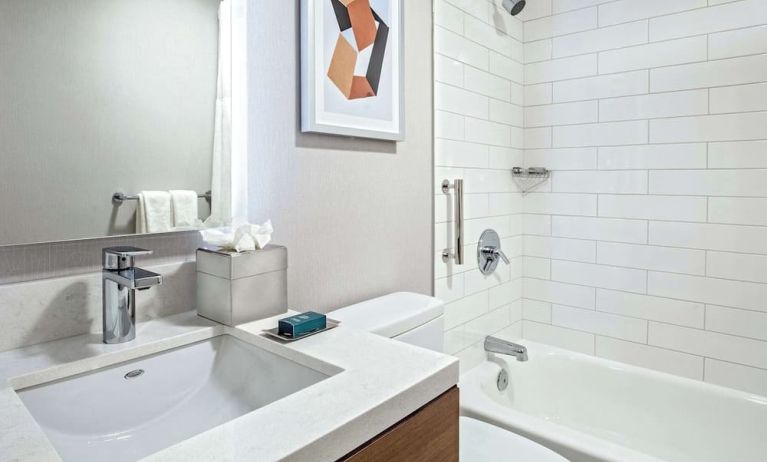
(496, 345)
(120, 280)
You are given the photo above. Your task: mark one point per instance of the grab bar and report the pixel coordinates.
(457, 186)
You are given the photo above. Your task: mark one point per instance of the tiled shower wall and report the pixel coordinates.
(649, 244)
(479, 130)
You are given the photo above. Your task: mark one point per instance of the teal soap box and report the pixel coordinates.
(301, 324)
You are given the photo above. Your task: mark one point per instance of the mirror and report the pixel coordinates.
(101, 97)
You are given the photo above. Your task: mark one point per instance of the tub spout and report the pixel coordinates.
(496, 345)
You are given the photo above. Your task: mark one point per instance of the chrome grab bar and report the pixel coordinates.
(457, 186)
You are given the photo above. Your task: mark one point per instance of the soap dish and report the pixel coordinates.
(273, 333)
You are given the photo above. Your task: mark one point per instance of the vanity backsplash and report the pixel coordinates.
(51, 291)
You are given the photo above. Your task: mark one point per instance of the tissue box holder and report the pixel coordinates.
(235, 288)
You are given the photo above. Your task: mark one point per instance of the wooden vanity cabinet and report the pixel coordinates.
(430, 434)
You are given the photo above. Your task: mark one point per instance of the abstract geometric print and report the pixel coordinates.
(358, 58)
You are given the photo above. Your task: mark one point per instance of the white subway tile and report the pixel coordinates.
(460, 101)
(536, 224)
(728, 127)
(487, 181)
(537, 138)
(596, 181)
(449, 289)
(475, 281)
(709, 344)
(506, 113)
(682, 103)
(653, 156)
(733, 71)
(538, 51)
(535, 267)
(504, 203)
(673, 208)
(480, 10)
(454, 46)
(606, 277)
(747, 239)
(535, 10)
(599, 323)
(449, 125)
(738, 210)
(504, 293)
(560, 248)
(556, 292)
(534, 310)
(517, 94)
(560, 69)
(741, 98)
(560, 6)
(538, 94)
(709, 182)
(582, 342)
(481, 32)
(483, 131)
(487, 84)
(561, 204)
(601, 134)
(666, 310)
(652, 258)
(505, 158)
(686, 50)
(705, 20)
(448, 16)
(603, 86)
(739, 42)
(738, 154)
(747, 295)
(731, 375)
(649, 357)
(743, 267)
(561, 24)
(742, 323)
(562, 159)
(631, 10)
(604, 38)
(465, 309)
(561, 114)
(448, 70)
(450, 153)
(603, 229)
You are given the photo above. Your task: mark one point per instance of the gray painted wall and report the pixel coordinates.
(101, 96)
(355, 214)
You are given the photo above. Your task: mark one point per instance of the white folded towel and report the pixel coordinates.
(154, 212)
(184, 209)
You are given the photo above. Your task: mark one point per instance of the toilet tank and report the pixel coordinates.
(409, 317)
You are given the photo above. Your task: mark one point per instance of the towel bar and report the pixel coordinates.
(118, 197)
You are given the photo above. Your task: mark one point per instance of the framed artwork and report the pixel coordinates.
(352, 68)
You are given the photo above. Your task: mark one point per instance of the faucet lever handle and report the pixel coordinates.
(118, 258)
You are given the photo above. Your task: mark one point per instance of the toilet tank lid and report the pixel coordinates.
(392, 314)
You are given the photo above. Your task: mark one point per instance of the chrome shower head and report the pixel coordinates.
(514, 7)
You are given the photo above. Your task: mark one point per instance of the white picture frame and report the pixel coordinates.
(330, 105)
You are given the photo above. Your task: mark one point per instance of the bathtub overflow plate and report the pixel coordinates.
(503, 380)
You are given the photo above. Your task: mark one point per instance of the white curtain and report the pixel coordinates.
(221, 183)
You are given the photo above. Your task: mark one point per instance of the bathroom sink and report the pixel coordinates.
(133, 409)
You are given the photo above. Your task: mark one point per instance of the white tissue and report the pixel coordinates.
(239, 238)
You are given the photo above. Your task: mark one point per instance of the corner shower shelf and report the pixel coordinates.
(529, 178)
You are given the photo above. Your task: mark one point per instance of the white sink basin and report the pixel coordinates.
(130, 410)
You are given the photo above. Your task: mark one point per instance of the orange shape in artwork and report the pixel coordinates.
(361, 88)
(363, 23)
(341, 71)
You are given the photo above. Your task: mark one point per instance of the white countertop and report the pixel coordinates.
(382, 381)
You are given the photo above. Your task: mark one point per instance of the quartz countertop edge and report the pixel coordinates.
(366, 394)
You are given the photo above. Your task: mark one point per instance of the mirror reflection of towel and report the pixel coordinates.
(184, 209)
(154, 212)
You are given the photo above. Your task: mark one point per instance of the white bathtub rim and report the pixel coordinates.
(475, 404)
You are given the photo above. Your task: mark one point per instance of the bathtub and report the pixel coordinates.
(590, 409)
